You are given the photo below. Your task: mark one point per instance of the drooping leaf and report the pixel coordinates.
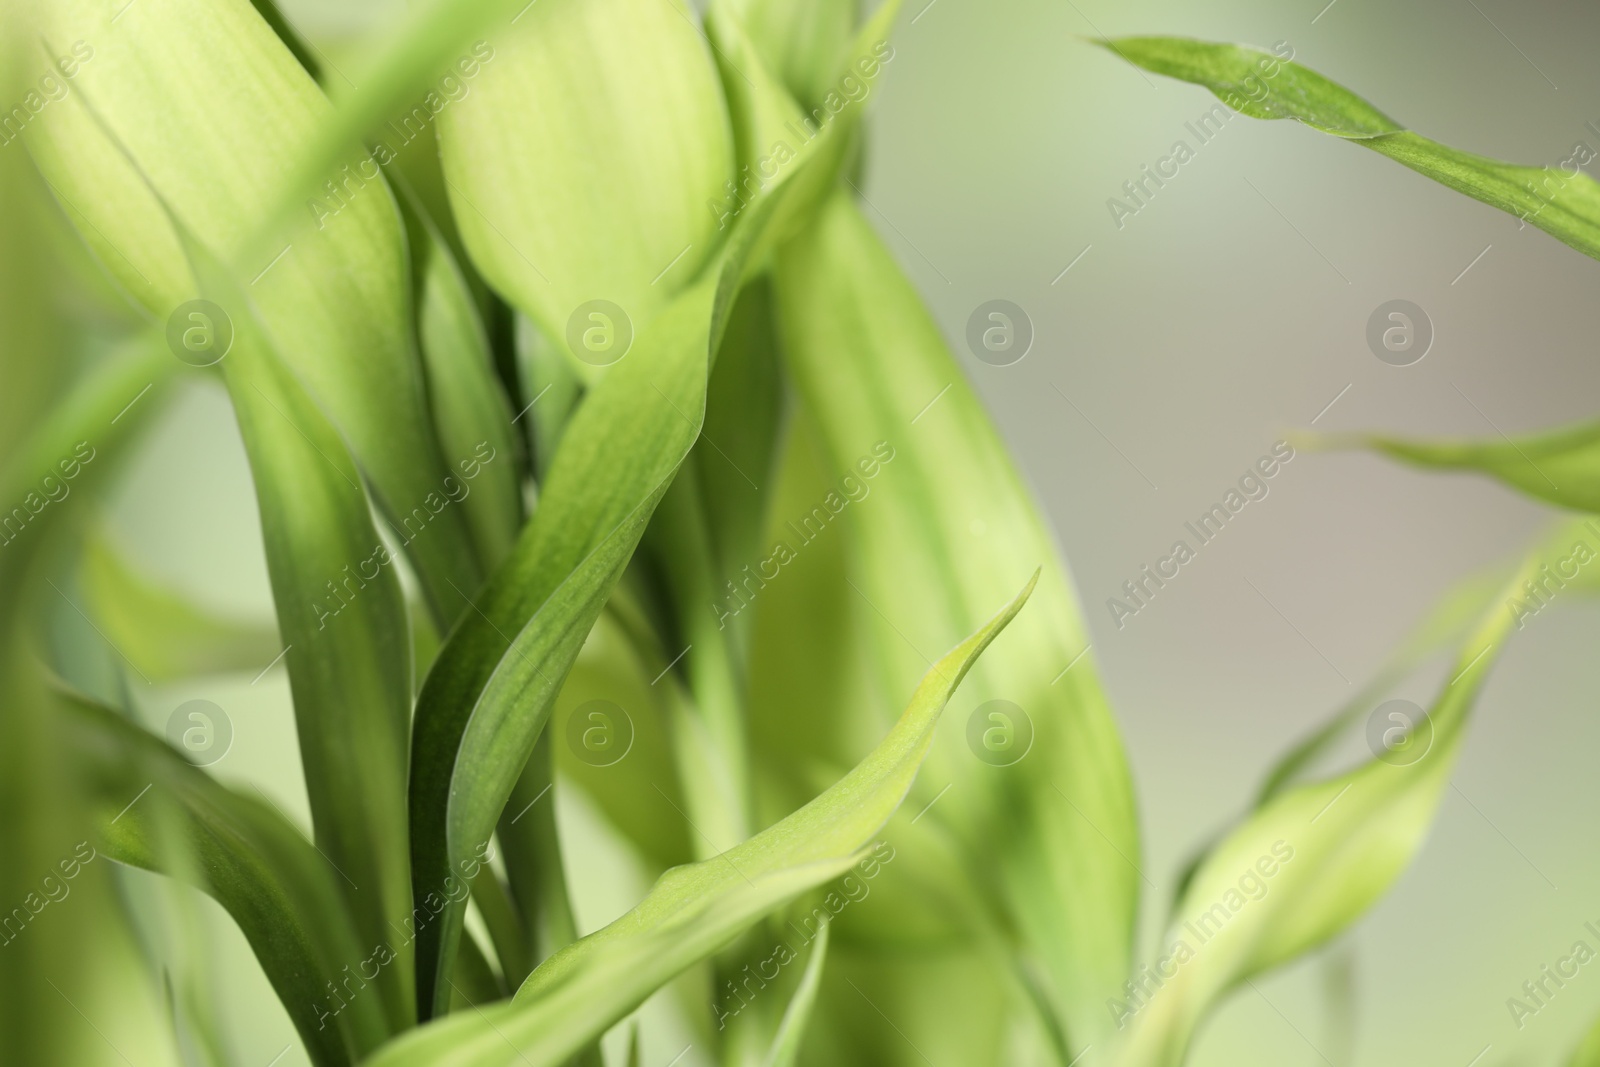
(695, 910)
(937, 517)
(1564, 201)
(196, 108)
(623, 219)
(285, 897)
(1305, 865)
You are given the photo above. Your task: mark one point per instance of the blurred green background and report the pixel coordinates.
(1230, 309)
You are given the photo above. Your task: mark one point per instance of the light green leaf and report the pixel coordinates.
(285, 897)
(1461, 606)
(792, 1029)
(1564, 202)
(342, 617)
(1304, 866)
(695, 910)
(939, 519)
(1559, 466)
(194, 106)
(490, 692)
(803, 41)
(581, 164)
(1587, 1054)
(470, 412)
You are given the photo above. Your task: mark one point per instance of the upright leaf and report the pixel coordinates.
(597, 190)
(695, 910)
(939, 519)
(1304, 866)
(196, 107)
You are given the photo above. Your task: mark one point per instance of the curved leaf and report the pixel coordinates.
(1303, 867)
(1559, 466)
(598, 190)
(195, 107)
(1054, 836)
(285, 897)
(695, 910)
(1564, 202)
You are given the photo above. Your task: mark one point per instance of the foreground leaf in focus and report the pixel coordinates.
(695, 910)
(1305, 865)
(342, 618)
(282, 893)
(1564, 201)
(939, 520)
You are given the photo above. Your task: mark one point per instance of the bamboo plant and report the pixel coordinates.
(591, 429)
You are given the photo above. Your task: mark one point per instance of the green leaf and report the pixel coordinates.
(285, 897)
(1587, 1054)
(490, 692)
(803, 41)
(342, 617)
(695, 910)
(1304, 866)
(792, 1029)
(470, 412)
(938, 520)
(198, 109)
(581, 164)
(1559, 466)
(1564, 201)
(1461, 605)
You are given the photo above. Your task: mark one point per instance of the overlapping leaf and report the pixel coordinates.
(285, 897)
(621, 136)
(1305, 865)
(695, 910)
(197, 108)
(939, 519)
(1562, 201)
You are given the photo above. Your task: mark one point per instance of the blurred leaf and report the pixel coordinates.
(1559, 466)
(1461, 605)
(581, 164)
(1304, 866)
(165, 635)
(938, 520)
(285, 897)
(1587, 1054)
(792, 1030)
(802, 41)
(1564, 202)
(489, 694)
(695, 910)
(195, 107)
